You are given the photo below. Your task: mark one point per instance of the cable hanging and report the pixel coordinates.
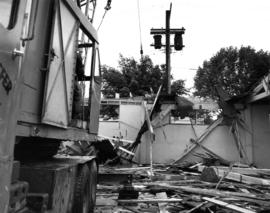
(140, 29)
(107, 7)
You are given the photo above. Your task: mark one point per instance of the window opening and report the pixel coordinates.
(109, 112)
(8, 13)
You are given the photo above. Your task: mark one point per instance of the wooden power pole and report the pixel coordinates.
(167, 31)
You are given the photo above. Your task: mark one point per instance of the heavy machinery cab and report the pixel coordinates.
(45, 46)
(49, 80)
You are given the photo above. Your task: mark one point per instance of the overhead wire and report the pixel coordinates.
(140, 29)
(107, 7)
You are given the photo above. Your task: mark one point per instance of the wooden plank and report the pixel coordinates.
(152, 136)
(116, 139)
(197, 207)
(171, 200)
(132, 168)
(246, 171)
(213, 192)
(227, 205)
(131, 209)
(200, 139)
(238, 177)
(224, 161)
(177, 182)
(121, 148)
(257, 97)
(162, 206)
(156, 99)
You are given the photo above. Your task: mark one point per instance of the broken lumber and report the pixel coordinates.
(238, 177)
(152, 137)
(117, 189)
(213, 192)
(176, 182)
(200, 139)
(222, 160)
(227, 205)
(162, 206)
(132, 168)
(116, 139)
(121, 148)
(246, 171)
(261, 203)
(131, 209)
(197, 207)
(170, 200)
(160, 177)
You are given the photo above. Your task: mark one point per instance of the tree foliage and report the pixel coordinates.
(233, 69)
(178, 87)
(137, 78)
(114, 81)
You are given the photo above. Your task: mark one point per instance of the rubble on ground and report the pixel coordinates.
(183, 188)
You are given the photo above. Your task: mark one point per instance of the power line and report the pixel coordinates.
(107, 7)
(102, 19)
(140, 29)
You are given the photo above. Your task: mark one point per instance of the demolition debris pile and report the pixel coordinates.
(179, 188)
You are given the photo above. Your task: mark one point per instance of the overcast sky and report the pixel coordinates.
(210, 25)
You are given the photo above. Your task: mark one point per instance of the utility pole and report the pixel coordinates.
(178, 45)
(168, 51)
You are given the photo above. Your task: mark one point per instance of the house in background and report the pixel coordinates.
(121, 118)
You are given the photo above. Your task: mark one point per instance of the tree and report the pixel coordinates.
(138, 78)
(113, 81)
(178, 87)
(233, 69)
(141, 77)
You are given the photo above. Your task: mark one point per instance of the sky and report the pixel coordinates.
(210, 25)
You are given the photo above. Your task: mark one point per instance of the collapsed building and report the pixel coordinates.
(189, 166)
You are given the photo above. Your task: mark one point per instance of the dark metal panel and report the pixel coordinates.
(11, 52)
(59, 82)
(45, 131)
(36, 55)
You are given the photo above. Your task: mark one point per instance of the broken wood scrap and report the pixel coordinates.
(162, 206)
(237, 139)
(176, 182)
(208, 185)
(222, 160)
(173, 177)
(132, 168)
(247, 171)
(208, 159)
(197, 207)
(214, 192)
(263, 204)
(238, 177)
(161, 177)
(131, 209)
(200, 139)
(116, 139)
(255, 189)
(169, 200)
(143, 189)
(227, 205)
